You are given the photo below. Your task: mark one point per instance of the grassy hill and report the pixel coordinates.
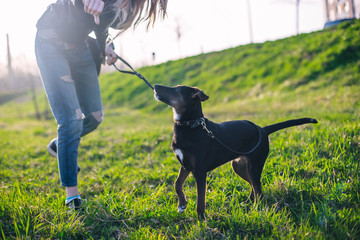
(310, 61)
(310, 180)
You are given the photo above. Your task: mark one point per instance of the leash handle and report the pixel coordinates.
(134, 72)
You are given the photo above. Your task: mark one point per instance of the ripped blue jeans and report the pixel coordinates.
(71, 84)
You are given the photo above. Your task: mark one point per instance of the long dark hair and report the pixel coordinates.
(132, 12)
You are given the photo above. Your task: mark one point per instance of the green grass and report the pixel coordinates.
(310, 180)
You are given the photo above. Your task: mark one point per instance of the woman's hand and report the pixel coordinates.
(110, 55)
(94, 7)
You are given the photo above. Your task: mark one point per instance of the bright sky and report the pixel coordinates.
(205, 25)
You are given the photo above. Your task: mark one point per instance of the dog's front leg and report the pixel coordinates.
(183, 174)
(200, 178)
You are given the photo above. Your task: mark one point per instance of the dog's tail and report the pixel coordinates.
(290, 123)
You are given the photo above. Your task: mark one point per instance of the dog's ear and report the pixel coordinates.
(200, 94)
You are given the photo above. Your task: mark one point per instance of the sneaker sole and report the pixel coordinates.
(52, 152)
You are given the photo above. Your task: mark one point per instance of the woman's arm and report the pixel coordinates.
(95, 7)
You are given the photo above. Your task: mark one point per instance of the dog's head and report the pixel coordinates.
(186, 101)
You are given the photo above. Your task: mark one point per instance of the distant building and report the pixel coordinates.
(341, 9)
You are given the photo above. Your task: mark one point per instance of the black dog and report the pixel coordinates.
(201, 145)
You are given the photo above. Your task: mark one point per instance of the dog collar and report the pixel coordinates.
(191, 123)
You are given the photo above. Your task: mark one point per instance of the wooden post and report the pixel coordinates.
(327, 10)
(33, 96)
(297, 16)
(353, 9)
(250, 22)
(8, 55)
(7, 82)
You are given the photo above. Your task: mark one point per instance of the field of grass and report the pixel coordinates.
(311, 180)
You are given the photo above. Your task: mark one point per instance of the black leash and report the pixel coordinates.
(131, 72)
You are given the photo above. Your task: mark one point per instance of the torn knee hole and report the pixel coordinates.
(79, 114)
(98, 115)
(67, 78)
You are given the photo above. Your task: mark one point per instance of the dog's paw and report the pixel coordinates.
(181, 209)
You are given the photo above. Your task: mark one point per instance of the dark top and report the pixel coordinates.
(73, 25)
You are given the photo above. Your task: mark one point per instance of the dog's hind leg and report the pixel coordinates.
(183, 174)
(255, 169)
(255, 175)
(240, 167)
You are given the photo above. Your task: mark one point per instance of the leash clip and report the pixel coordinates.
(203, 124)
